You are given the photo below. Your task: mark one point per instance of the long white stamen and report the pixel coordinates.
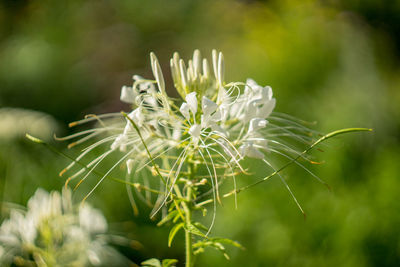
(214, 195)
(233, 174)
(287, 187)
(214, 171)
(93, 118)
(300, 165)
(107, 173)
(183, 157)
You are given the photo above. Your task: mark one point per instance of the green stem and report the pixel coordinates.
(188, 234)
(188, 216)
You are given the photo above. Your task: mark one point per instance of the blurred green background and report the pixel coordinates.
(336, 62)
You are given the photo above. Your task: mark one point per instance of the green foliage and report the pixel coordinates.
(216, 243)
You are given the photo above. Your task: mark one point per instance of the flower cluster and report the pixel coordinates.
(54, 232)
(212, 129)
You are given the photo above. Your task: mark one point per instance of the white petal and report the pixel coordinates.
(252, 87)
(127, 94)
(137, 116)
(235, 108)
(208, 106)
(195, 130)
(137, 77)
(207, 120)
(251, 110)
(250, 82)
(269, 91)
(217, 116)
(204, 121)
(215, 127)
(257, 123)
(263, 95)
(191, 100)
(266, 109)
(185, 110)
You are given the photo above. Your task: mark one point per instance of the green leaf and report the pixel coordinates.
(228, 241)
(198, 251)
(215, 243)
(200, 226)
(151, 263)
(221, 248)
(194, 230)
(168, 217)
(173, 232)
(176, 217)
(169, 262)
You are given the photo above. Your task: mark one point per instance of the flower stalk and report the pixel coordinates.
(188, 235)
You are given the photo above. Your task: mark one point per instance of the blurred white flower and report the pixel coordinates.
(16, 122)
(53, 231)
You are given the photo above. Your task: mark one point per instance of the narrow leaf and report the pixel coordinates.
(194, 230)
(167, 218)
(228, 241)
(169, 262)
(173, 232)
(200, 226)
(151, 263)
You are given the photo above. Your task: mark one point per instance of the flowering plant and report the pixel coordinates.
(192, 145)
(54, 232)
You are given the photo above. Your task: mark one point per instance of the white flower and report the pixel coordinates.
(73, 234)
(215, 124)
